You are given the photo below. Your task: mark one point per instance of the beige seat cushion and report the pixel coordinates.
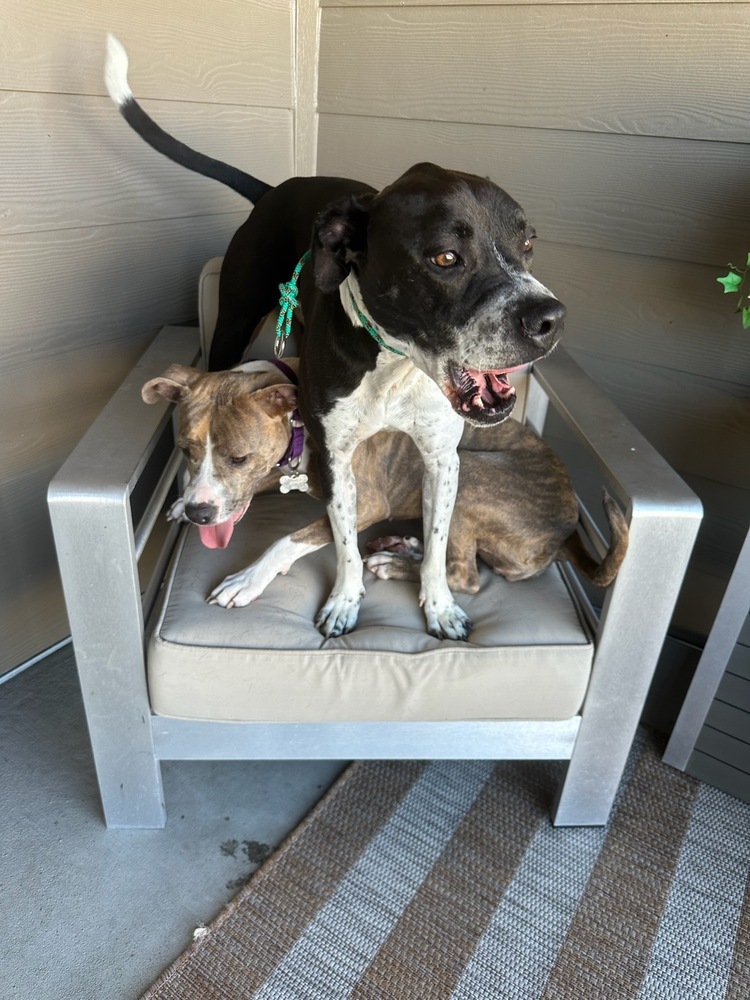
(529, 655)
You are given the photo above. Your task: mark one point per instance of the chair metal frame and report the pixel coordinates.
(100, 541)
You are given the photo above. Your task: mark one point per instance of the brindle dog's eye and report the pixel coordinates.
(447, 258)
(239, 459)
(528, 246)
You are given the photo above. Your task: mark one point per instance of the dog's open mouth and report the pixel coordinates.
(483, 396)
(216, 536)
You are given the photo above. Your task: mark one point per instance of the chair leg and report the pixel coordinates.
(635, 618)
(128, 772)
(109, 648)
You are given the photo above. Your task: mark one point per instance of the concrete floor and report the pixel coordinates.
(92, 914)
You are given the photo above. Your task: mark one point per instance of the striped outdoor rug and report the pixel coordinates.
(446, 880)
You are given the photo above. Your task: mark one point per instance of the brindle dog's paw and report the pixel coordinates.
(239, 589)
(177, 511)
(402, 545)
(389, 566)
(395, 557)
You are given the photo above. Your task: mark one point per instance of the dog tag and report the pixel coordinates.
(296, 481)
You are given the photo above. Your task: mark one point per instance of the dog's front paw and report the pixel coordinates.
(177, 511)
(447, 621)
(339, 614)
(239, 589)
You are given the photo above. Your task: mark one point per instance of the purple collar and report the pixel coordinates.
(297, 442)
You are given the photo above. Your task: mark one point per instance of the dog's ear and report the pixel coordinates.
(174, 385)
(277, 399)
(339, 240)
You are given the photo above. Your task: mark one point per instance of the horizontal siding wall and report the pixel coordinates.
(722, 751)
(623, 129)
(101, 239)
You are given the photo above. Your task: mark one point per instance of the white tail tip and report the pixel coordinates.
(116, 72)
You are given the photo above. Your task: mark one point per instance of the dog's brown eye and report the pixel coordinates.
(528, 245)
(447, 258)
(239, 459)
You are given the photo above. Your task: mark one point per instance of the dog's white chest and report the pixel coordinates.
(394, 396)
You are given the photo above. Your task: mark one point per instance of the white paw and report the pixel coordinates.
(447, 621)
(239, 589)
(177, 511)
(339, 614)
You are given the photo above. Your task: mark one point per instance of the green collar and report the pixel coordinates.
(289, 301)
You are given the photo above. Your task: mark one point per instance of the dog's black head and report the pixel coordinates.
(441, 261)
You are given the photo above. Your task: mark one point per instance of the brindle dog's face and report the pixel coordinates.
(231, 433)
(443, 264)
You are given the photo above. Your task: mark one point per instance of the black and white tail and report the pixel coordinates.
(116, 79)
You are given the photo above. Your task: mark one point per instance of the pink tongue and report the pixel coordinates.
(216, 536)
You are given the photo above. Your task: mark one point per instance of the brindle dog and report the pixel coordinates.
(515, 508)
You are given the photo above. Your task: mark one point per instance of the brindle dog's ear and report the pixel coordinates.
(173, 385)
(339, 239)
(277, 400)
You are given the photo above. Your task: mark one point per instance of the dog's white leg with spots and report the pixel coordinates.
(339, 614)
(445, 619)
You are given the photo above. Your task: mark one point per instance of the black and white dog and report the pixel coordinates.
(417, 302)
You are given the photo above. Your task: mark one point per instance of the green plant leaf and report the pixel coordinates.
(746, 318)
(748, 260)
(731, 282)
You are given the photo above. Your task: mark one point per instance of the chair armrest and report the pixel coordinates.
(111, 455)
(633, 469)
(90, 496)
(120, 464)
(664, 516)
(97, 494)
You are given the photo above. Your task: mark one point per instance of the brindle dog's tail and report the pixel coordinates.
(116, 79)
(601, 573)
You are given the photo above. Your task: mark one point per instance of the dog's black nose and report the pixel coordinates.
(543, 320)
(200, 513)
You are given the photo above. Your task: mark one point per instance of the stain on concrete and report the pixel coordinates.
(255, 851)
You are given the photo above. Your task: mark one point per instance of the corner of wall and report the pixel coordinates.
(306, 33)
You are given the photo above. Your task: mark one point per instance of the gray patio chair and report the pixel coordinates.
(167, 677)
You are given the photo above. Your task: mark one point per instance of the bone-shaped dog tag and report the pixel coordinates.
(296, 481)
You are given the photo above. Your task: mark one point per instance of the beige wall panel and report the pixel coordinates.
(477, 3)
(659, 312)
(226, 51)
(72, 161)
(79, 307)
(670, 198)
(702, 427)
(50, 408)
(65, 289)
(622, 68)
(30, 625)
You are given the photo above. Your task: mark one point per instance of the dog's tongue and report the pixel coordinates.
(216, 536)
